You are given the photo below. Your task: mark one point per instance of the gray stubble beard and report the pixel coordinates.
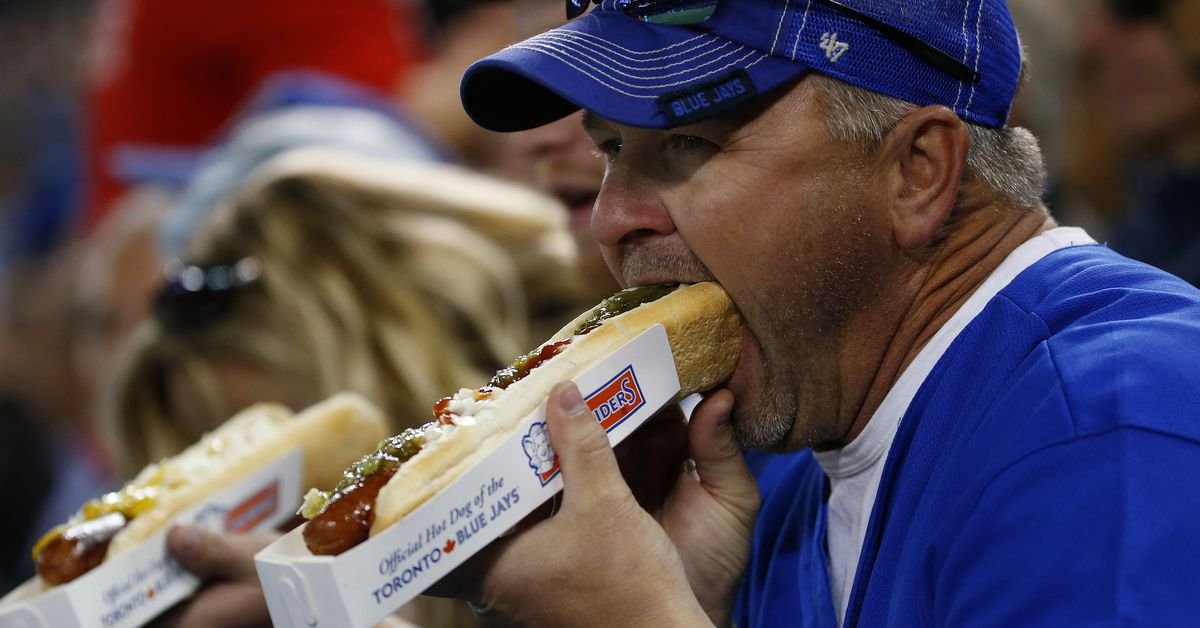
(779, 423)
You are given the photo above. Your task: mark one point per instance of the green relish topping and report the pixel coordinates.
(618, 303)
(522, 365)
(390, 452)
(505, 377)
(624, 301)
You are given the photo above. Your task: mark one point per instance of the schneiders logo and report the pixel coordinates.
(254, 510)
(620, 397)
(611, 404)
(245, 516)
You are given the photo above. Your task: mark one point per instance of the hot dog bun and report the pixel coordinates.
(331, 434)
(703, 328)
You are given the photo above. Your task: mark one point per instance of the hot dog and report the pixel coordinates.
(703, 329)
(330, 434)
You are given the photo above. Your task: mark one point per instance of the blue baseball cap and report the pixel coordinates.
(964, 54)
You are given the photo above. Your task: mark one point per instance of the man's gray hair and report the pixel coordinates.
(1006, 160)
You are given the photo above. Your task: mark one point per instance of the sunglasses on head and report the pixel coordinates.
(197, 296)
(690, 12)
(681, 12)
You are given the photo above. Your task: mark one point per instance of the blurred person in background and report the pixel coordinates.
(420, 120)
(161, 84)
(334, 271)
(26, 467)
(39, 127)
(278, 66)
(38, 200)
(1142, 54)
(290, 110)
(401, 281)
(26, 463)
(1049, 38)
(62, 315)
(1183, 22)
(157, 75)
(1059, 107)
(52, 454)
(561, 160)
(458, 32)
(118, 275)
(47, 447)
(163, 78)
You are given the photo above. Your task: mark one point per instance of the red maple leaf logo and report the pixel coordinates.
(150, 593)
(449, 546)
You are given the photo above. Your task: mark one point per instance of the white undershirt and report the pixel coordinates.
(855, 470)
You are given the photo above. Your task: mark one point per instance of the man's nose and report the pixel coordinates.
(629, 208)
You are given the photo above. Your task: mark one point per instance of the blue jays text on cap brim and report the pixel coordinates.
(646, 74)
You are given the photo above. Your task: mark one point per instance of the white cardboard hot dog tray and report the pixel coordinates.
(131, 589)
(370, 581)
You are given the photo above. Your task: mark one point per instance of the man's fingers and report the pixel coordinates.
(588, 464)
(719, 461)
(211, 555)
(651, 457)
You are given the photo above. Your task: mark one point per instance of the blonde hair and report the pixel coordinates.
(399, 291)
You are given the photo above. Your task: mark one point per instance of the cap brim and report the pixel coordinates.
(616, 67)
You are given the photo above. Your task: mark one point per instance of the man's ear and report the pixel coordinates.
(925, 155)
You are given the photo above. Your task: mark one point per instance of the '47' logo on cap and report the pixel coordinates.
(833, 48)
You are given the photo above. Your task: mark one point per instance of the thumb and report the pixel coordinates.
(718, 458)
(211, 555)
(588, 464)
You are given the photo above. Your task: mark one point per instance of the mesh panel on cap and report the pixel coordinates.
(977, 33)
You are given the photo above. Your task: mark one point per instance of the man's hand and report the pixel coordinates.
(710, 514)
(232, 596)
(603, 559)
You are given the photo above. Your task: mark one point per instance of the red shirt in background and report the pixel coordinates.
(171, 73)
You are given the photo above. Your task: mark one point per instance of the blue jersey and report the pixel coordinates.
(1047, 472)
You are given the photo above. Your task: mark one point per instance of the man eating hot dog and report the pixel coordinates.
(979, 417)
(988, 419)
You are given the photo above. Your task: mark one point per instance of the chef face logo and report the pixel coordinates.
(542, 460)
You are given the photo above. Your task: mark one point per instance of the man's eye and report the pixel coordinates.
(690, 142)
(608, 149)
